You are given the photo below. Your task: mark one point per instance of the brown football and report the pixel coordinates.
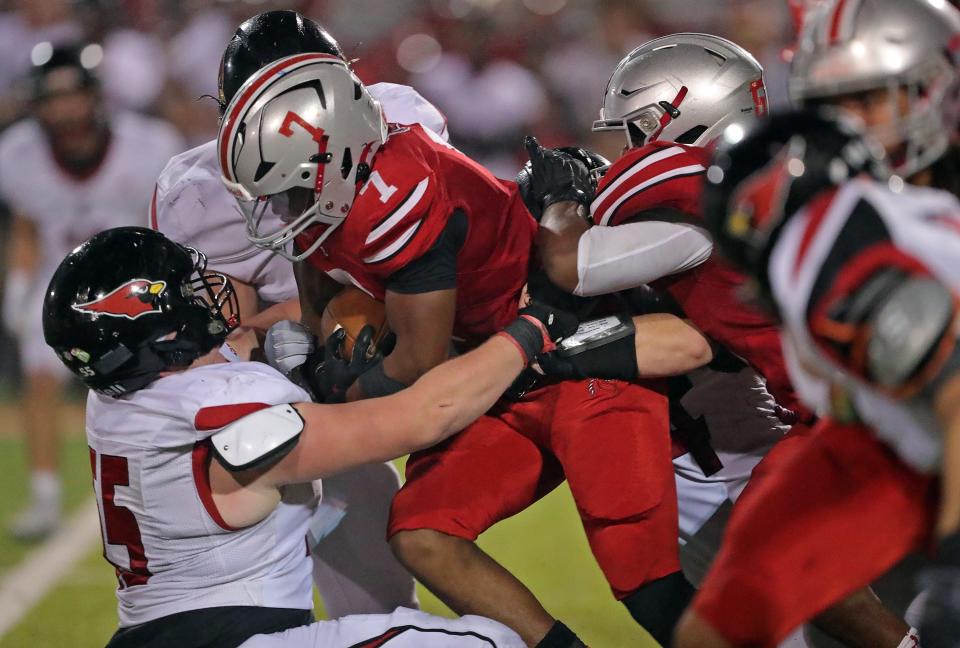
(351, 310)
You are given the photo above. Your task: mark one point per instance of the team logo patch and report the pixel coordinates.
(131, 300)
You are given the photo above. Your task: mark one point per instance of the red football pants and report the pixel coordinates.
(611, 440)
(832, 512)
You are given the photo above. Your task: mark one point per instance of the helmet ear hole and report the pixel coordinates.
(692, 135)
(637, 137)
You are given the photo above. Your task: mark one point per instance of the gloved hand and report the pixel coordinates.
(553, 176)
(941, 619)
(287, 345)
(329, 375)
(539, 327)
(601, 348)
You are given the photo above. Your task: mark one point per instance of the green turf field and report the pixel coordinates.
(544, 546)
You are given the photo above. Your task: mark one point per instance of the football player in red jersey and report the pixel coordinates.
(446, 246)
(672, 98)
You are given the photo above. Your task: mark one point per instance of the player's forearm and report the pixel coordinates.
(560, 230)
(669, 346)
(455, 393)
(610, 259)
(288, 310)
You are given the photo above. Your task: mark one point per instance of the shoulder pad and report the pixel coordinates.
(635, 182)
(264, 435)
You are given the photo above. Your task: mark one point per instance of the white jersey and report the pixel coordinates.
(193, 207)
(814, 250)
(161, 530)
(402, 628)
(66, 210)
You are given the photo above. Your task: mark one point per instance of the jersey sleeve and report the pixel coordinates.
(403, 219)
(234, 390)
(191, 206)
(655, 177)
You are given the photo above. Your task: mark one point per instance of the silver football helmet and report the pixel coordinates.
(856, 46)
(685, 88)
(300, 128)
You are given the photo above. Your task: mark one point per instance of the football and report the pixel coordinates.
(351, 310)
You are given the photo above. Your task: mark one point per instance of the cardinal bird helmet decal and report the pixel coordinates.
(131, 300)
(130, 304)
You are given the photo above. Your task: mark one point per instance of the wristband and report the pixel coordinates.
(528, 334)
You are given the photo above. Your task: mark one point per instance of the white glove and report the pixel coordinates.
(287, 345)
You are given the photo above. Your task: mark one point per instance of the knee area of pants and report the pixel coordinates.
(619, 510)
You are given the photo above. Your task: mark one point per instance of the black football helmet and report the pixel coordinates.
(130, 303)
(61, 71)
(264, 39)
(755, 184)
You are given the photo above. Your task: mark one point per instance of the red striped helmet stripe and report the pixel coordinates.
(240, 103)
(835, 20)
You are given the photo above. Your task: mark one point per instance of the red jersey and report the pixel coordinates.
(666, 175)
(417, 182)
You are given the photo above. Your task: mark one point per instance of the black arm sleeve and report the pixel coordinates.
(437, 269)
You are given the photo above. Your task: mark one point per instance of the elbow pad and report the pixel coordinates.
(913, 336)
(901, 332)
(602, 348)
(257, 438)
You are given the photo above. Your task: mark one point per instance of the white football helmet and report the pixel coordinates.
(304, 122)
(856, 46)
(684, 88)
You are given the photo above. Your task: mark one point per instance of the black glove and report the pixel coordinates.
(539, 327)
(328, 375)
(596, 164)
(603, 348)
(941, 618)
(552, 177)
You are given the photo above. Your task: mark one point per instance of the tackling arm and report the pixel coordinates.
(647, 346)
(333, 438)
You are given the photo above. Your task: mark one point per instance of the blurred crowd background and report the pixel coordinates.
(498, 69)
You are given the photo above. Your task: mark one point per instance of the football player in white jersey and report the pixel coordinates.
(906, 91)
(204, 468)
(355, 571)
(67, 172)
(862, 272)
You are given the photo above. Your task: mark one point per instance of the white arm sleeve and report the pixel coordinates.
(626, 256)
